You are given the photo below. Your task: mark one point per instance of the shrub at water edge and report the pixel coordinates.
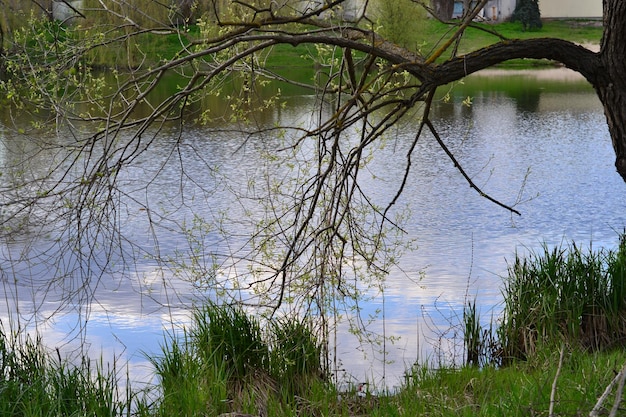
(565, 294)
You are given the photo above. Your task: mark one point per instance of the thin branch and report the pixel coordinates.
(618, 395)
(47, 12)
(468, 19)
(597, 409)
(74, 9)
(556, 377)
(409, 153)
(462, 171)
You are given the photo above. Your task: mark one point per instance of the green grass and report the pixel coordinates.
(208, 371)
(559, 295)
(565, 294)
(225, 362)
(35, 382)
(228, 362)
(429, 33)
(432, 32)
(523, 389)
(478, 36)
(574, 31)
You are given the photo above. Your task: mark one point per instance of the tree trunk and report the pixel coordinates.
(443, 9)
(605, 70)
(611, 78)
(2, 54)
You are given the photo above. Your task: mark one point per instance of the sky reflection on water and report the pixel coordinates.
(542, 145)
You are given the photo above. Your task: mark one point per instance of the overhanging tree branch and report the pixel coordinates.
(462, 171)
(326, 222)
(573, 56)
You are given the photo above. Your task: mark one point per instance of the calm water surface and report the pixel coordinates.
(537, 140)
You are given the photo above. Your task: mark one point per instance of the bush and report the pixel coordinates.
(527, 12)
(401, 22)
(226, 363)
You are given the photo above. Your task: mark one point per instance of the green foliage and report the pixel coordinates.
(527, 12)
(295, 357)
(565, 294)
(227, 363)
(32, 383)
(16, 14)
(139, 13)
(402, 22)
(561, 295)
(481, 345)
(188, 387)
(46, 76)
(227, 336)
(520, 390)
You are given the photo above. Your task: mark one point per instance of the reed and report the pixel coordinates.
(186, 387)
(35, 382)
(472, 339)
(219, 365)
(565, 294)
(226, 363)
(227, 336)
(296, 355)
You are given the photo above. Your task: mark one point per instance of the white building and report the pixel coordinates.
(66, 11)
(572, 9)
(500, 10)
(495, 10)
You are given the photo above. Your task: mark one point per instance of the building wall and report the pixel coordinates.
(499, 10)
(494, 10)
(61, 11)
(570, 8)
(503, 9)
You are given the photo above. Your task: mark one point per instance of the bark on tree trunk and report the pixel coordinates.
(443, 9)
(611, 78)
(606, 70)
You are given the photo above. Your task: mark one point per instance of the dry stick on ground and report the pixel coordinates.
(595, 411)
(618, 394)
(556, 377)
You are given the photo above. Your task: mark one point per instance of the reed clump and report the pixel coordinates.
(36, 382)
(564, 295)
(226, 363)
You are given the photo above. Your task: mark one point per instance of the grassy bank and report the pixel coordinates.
(581, 32)
(430, 33)
(35, 383)
(570, 387)
(426, 35)
(558, 347)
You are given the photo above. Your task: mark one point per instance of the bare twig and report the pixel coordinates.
(467, 20)
(462, 171)
(595, 411)
(618, 394)
(556, 377)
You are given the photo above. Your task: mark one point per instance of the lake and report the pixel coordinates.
(534, 139)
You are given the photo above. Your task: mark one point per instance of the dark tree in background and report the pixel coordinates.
(443, 9)
(527, 12)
